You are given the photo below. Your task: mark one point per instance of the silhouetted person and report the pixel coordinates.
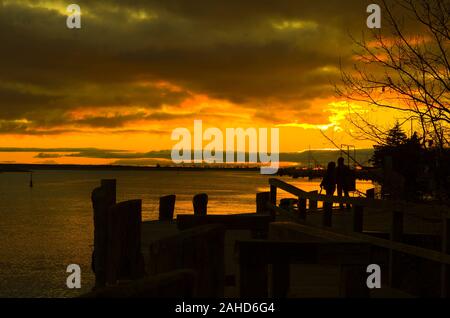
(329, 180)
(343, 176)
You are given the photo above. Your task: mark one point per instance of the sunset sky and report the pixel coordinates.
(136, 70)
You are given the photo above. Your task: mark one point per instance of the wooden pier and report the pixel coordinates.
(297, 247)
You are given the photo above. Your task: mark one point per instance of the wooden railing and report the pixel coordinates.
(399, 205)
(398, 210)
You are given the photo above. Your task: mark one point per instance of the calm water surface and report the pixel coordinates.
(46, 228)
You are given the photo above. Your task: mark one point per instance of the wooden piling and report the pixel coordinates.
(110, 187)
(102, 198)
(124, 257)
(200, 203)
(167, 207)
(262, 201)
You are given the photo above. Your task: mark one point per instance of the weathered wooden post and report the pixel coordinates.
(200, 202)
(395, 269)
(327, 213)
(102, 198)
(313, 203)
(358, 218)
(124, 257)
(110, 187)
(262, 200)
(166, 207)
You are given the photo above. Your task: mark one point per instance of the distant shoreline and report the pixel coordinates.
(295, 173)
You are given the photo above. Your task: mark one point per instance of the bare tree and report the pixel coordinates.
(405, 67)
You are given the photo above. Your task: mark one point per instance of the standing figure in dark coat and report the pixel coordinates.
(329, 180)
(343, 176)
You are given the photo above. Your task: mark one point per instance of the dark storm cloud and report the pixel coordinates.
(123, 120)
(247, 52)
(48, 155)
(95, 153)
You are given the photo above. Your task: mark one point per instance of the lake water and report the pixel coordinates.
(45, 228)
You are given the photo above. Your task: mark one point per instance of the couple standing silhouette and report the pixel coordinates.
(337, 177)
